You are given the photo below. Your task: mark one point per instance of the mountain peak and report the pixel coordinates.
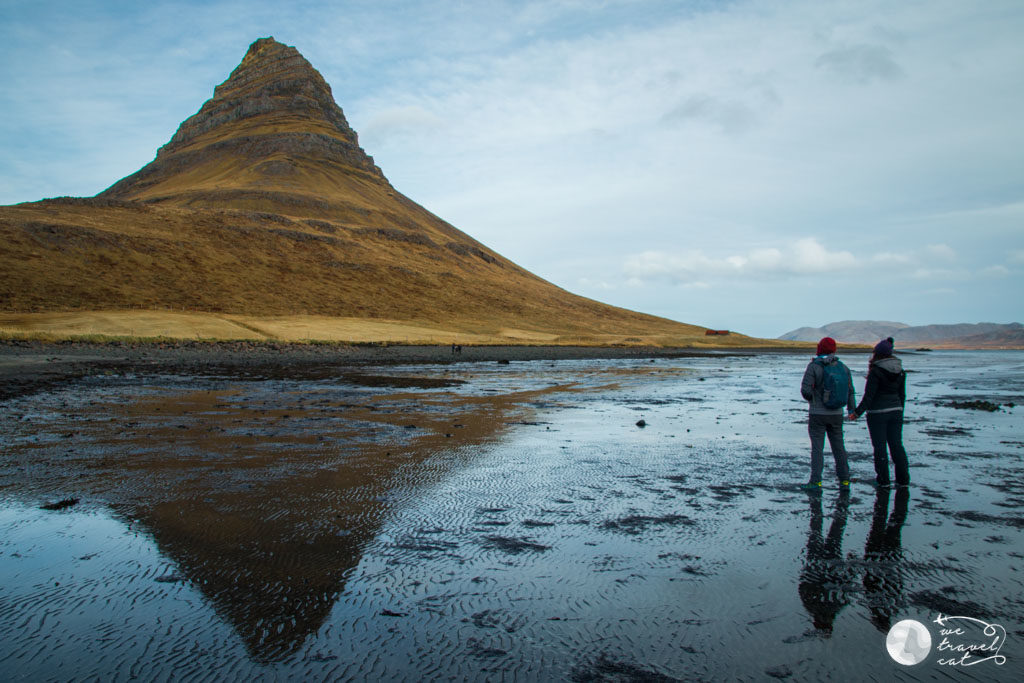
(272, 81)
(263, 45)
(269, 127)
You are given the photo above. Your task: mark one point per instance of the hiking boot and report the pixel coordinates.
(845, 483)
(812, 486)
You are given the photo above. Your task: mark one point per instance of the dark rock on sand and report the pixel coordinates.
(977, 404)
(512, 545)
(170, 578)
(604, 668)
(60, 504)
(635, 524)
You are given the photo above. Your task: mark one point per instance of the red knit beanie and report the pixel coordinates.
(826, 346)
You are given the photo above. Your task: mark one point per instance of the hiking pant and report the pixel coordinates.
(886, 429)
(832, 425)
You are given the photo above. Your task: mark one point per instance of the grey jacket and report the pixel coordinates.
(813, 384)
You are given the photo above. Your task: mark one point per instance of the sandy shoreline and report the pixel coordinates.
(30, 366)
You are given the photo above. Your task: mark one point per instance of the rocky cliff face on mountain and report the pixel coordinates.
(263, 203)
(271, 129)
(964, 335)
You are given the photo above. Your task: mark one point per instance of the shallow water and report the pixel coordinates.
(514, 524)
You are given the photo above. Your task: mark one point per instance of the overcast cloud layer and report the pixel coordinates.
(757, 166)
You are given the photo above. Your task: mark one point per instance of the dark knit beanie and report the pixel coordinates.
(884, 348)
(826, 346)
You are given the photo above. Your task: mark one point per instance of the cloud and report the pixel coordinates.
(1017, 256)
(1010, 214)
(925, 273)
(803, 257)
(861, 63)
(888, 258)
(602, 285)
(399, 120)
(995, 271)
(940, 252)
(812, 257)
(728, 116)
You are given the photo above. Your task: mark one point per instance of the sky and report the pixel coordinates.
(744, 165)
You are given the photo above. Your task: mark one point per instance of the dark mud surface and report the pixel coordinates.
(484, 521)
(27, 366)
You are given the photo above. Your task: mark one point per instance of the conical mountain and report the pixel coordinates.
(271, 136)
(264, 204)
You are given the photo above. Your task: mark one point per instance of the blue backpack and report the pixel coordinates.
(836, 385)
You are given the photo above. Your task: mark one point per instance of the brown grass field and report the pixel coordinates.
(143, 325)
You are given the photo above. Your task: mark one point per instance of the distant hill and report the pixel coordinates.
(963, 336)
(860, 331)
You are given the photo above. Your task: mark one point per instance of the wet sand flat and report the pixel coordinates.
(482, 520)
(29, 366)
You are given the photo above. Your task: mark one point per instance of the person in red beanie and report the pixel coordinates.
(826, 346)
(827, 386)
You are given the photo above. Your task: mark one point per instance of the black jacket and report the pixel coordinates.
(886, 387)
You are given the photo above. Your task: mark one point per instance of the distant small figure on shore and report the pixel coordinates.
(456, 348)
(827, 386)
(885, 395)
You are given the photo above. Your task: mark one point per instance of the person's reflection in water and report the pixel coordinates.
(825, 575)
(883, 554)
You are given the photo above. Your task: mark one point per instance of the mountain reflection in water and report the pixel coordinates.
(264, 499)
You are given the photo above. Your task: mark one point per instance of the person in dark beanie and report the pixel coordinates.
(885, 395)
(827, 386)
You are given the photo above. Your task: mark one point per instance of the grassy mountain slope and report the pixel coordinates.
(263, 205)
